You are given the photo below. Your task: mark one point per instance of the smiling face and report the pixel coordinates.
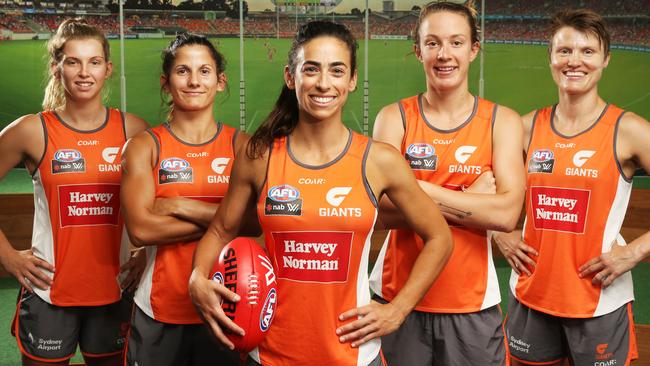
(322, 78)
(446, 50)
(577, 60)
(194, 79)
(83, 69)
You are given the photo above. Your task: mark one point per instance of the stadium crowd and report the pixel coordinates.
(626, 29)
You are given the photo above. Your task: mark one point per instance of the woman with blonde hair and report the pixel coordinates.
(70, 293)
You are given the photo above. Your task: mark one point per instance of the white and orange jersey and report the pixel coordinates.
(576, 200)
(77, 221)
(317, 223)
(452, 159)
(198, 171)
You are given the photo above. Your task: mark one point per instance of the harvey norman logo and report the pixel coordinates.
(313, 256)
(559, 209)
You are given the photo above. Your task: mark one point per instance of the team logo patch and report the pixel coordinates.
(175, 170)
(68, 161)
(313, 256)
(268, 310)
(542, 161)
(89, 204)
(559, 209)
(421, 156)
(283, 200)
(335, 197)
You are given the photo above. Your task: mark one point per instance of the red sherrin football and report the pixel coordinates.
(245, 269)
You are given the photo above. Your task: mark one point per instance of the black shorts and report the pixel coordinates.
(152, 343)
(50, 333)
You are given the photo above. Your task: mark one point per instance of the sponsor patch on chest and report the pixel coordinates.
(313, 256)
(421, 156)
(559, 209)
(89, 204)
(175, 170)
(68, 161)
(283, 200)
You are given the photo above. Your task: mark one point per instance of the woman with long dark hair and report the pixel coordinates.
(317, 185)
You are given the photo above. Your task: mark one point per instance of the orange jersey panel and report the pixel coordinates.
(576, 200)
(201, 172)
(77, 221)
(452, 159)
(317, 224)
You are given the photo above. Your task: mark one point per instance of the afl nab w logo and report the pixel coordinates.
(542, 161)
(110, 153)
(463, 153)
(68, 161)
(336, 195)
(219, 165)
(421, 156)
(174, 170)
(581, 157)
(283, 200)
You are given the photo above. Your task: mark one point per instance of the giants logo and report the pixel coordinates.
(559, 209)
(68, 161)
(268, 310)
(89, 204)
(219, 165)
(313, 256)
(109, 154)
(335, 197)
(421, 156)
(542, 161)
(283, 200)
(462, 154)
(579, 159)
(175, 170)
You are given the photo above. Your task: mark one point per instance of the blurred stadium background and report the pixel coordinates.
(514, 68)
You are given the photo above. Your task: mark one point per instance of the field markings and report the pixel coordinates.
(637, 100)
(252, 121)
(357, 121)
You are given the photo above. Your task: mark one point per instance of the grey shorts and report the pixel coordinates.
(427, 339)
(50, 333)
(152, 343)
(539, 338)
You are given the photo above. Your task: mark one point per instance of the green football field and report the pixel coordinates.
(515, 75)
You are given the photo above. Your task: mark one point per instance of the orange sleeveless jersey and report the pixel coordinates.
(77, 221)
(452, 159)
(576, 200)
(201, 172)
(317, 223)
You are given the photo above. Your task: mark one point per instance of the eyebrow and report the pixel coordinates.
(316, 63)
